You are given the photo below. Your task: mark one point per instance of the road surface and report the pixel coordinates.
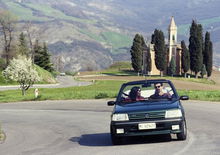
(63, 81)
(81, 127)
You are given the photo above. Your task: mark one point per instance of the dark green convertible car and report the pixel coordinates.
(148, 107)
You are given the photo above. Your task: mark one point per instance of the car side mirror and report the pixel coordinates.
(111, 103)
(184, 97)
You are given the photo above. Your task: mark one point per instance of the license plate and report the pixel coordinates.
(145, 126)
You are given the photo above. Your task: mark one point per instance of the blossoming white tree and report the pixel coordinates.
(22, 71)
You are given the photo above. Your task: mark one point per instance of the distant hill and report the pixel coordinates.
(92, 34)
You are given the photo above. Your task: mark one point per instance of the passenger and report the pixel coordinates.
(134, 95)
(159, 93)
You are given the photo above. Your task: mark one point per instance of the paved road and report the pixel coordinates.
(81, 127)
(64, 81)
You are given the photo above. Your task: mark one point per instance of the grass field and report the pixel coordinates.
(123, 70)
(109, 81)
(101, 89)
(108, 89)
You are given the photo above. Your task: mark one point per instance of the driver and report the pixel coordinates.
(159, 93)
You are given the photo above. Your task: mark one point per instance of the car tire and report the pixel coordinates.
(115, 139)
(182, 135)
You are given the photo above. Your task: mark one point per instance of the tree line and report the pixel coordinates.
(197, 58)
(24, 45)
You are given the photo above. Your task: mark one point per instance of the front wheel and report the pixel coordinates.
(183, 134)
(115, 139)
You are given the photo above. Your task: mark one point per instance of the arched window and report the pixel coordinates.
(173, 38)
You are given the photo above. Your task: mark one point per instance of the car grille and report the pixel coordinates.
(147, 115)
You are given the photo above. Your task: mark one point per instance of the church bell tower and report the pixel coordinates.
(172, 38)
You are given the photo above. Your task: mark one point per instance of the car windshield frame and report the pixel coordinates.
(146, 83)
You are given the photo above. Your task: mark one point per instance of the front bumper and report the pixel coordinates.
(130, 128)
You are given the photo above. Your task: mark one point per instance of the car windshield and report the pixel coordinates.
(154, 91)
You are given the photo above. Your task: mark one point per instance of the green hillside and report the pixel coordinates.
(44, 12)
(102, 31)
(113, 40)
(46, 76)
(38, 12)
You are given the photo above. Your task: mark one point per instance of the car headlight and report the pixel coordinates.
(173, 113)
(120, 117)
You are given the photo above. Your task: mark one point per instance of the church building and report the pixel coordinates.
(173, 49)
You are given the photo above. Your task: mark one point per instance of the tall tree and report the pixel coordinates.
(208, 54)
(42, 57)
(203, 71)
(143, 47)
(152, 39)
(148, 61)
(147, 66)
(46, 59)
(29, 36)
(22, 46)
(7, 26)
(38, 54)
(172, 66)
(137, 53)
(196, 47)
(185, 58)
(160, 51)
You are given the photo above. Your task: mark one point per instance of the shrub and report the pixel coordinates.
(22, 71)
(101, 95)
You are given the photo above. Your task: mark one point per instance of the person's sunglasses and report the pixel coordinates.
(157, 86)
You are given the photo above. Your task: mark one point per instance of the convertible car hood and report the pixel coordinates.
(146, 106)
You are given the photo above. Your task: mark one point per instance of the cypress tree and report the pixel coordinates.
(143, 46)
(203, 71)
(208, 54)
(185, 58)
(152, 39)
(160, 51)
(22, 46)
(147, 58)
(200, 45)
(196, 47)
(148, 62)
(136, 53)
(172, 66)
